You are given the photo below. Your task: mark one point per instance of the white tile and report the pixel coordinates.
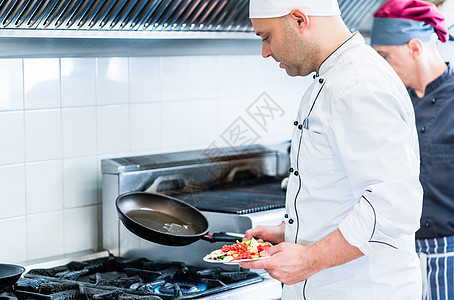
(230, 109)
(42, 83)
(447, 9)
(113, 128)
(290, 104)
(43, 134)
(44, 186)
(285, 91)
(45, 235)
(447, 51)
(277, 81)
(175, 78)
(112, 80)
(264, 75)
(79, 131)
(112, 155)
(81, 229)
(78, 82)
(108, 156)
(447, 5)
(204, 122)
(14, 235)
(230, 76)
(12, 185)
(11, 84)
(80, 181)
(202, 77)
(175, 120)
(236, 127)
(145, 126)
(145, 79)
(256, 70)
(145, 152)
(12, 137)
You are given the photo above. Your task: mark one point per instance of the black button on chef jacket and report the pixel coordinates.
(435, 122)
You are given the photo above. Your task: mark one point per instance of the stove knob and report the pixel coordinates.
(290, 170)
(286, 216)
(290, 221)
(296, 173)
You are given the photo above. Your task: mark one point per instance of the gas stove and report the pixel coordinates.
(117, 278)
(235, 188)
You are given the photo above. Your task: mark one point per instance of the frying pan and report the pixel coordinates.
(9, 274)
(165, 220)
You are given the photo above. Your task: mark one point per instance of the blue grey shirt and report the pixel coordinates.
(435, 123)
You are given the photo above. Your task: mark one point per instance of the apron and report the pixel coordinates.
(437, 267)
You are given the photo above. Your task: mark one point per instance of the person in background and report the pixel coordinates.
(354, 199)
(403, 33)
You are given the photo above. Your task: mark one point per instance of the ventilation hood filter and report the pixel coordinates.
(112, 18)
(106, 28)
(143, 18)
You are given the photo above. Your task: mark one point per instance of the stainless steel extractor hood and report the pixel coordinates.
(76, 28)
(125, 18)
(143, 18)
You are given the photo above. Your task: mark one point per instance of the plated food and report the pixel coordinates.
(241, 251)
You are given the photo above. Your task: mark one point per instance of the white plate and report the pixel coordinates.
(232, 262)
(235, 262)
(210, 260)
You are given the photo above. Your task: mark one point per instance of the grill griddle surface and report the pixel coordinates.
(243, 198)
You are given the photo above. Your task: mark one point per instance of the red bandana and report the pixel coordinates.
(416, 10)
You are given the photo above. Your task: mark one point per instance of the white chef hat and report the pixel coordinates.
(279, 8)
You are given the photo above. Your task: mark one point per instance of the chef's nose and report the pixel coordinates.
(266, 51)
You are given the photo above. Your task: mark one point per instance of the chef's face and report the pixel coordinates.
(400, 58)
(281, 41)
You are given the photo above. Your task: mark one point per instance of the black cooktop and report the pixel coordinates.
(116, 278)
(247, 196)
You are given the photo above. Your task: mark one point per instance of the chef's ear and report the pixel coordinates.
(300, 18)
(415, 46)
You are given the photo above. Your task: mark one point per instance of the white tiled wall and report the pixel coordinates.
(448, 11)
(60, 116)
(447, 51)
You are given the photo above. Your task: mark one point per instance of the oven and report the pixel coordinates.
(235, 188)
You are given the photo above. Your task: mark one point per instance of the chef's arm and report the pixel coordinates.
(381, 163)
(292, 263)
(331, 251)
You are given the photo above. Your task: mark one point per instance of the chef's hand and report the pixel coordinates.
(287, 263)
(292, 263)
(272, 234)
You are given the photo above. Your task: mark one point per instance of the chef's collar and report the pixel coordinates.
(355, 39)
(447, 74)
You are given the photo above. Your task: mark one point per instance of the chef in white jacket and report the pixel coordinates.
(354, 199)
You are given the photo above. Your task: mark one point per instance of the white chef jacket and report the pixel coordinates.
(355, 166)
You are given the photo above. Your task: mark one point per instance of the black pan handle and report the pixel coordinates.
(223, 237)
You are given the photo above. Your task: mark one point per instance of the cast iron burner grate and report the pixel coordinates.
(116, 278)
